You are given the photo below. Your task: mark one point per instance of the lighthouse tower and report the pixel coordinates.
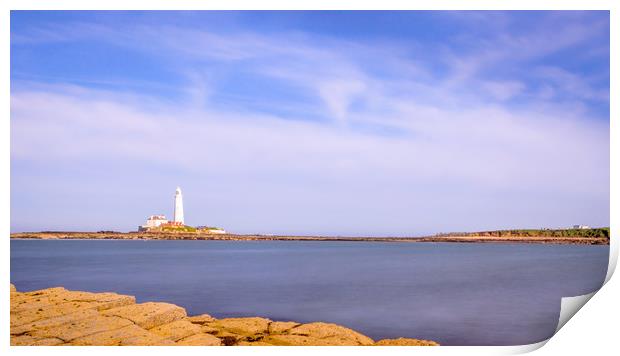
(178, 207)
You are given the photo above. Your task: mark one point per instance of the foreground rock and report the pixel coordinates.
(57, 316)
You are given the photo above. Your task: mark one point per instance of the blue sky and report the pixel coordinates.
(346, 123)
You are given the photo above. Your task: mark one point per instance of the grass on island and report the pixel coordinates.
(602, 232)
(186, 228)
(183, 228)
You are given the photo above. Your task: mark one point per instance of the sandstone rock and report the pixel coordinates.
(336, 333)
(18, 298)
(177, 330)
(112, 300)
(405, 342)
(30, 307)
(279, 327)
(56, 316)
(72, 330)
(242, 326)
(149, 315)
(227, 338)
(128, 335)
(253, 343)
(300, 340)
(201, 319)
(55, 321)
(27, 340)
(47, 311)
(48, 342)
(208, 329)
(200, 340)
(44, 292)
(29, 303)
(100, 301)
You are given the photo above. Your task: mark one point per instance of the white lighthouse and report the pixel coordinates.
(178, 207)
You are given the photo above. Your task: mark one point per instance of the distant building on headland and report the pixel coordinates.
(156, 223)
(581, 227)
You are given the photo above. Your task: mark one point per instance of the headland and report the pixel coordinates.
(594, 236)
(56, 316)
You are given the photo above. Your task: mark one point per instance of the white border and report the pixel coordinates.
(594, 330)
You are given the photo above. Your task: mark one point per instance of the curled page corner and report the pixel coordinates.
(613, 259)
(570, 306)
(523, 349)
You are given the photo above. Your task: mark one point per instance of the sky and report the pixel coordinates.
(352, 123)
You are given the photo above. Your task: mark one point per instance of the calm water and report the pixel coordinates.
(457, 294)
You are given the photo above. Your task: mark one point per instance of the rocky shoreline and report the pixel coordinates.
(57, 317)
(111, 235)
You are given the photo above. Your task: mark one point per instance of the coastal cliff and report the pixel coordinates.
(56, 316)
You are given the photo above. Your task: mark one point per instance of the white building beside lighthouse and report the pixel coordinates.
(153, 221)
(178, 207)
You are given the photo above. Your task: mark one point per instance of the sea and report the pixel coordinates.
(452, 293)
